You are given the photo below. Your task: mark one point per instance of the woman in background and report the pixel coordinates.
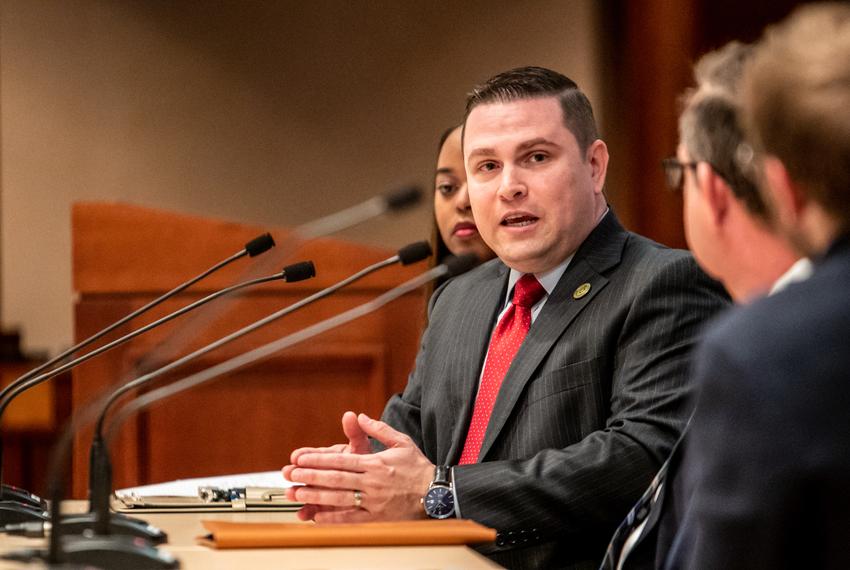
(455, 231)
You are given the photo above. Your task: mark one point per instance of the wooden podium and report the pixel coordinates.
(124, 256)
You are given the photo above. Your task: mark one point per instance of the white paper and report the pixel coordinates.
(189, 487)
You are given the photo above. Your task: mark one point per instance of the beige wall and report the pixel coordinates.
(269, 112)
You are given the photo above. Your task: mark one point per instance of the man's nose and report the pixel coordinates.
(511, 185)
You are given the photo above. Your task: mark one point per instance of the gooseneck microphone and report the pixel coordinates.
(111, 551)
(26, 506)
(451, 267)
(18, 504)
(100, 469)
(290, 274)
(100, 546)
(394, 201)
(388, 203)
(12, 514)
(253, 248)
(406, 255)
(454, 265)
(99, 520)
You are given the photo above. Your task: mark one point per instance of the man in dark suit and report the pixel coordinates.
(728, 229)
(550, 384)
(766, 464)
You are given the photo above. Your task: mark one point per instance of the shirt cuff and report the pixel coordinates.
(454, 492)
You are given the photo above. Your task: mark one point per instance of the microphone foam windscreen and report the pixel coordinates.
(403, 198)
(259, 245)
(414, 252)
(299, 271)
(458, 264)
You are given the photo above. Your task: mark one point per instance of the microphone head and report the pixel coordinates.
(299, 271)
(403, 198)
(259, 244)
(413, 252)
(457, 264)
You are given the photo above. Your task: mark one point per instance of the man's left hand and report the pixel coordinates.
(390, 483)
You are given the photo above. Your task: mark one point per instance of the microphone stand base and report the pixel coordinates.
(12, 493)
(125, 552)
(118, 525)
(13, 512)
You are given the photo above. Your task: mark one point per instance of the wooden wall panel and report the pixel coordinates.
(649, 47)
(254, 418)
(30, 425)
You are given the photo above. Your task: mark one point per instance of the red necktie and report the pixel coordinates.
(506, 340)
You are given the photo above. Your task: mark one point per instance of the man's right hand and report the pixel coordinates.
(358, 442)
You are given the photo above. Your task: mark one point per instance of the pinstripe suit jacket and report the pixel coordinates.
(589, 409)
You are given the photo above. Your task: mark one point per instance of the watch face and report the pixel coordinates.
(440, 502)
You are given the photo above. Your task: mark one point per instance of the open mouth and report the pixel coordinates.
(518, 220)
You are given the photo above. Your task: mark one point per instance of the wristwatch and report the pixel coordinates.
(439, 501)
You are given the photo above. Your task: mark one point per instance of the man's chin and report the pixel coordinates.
(524, 261)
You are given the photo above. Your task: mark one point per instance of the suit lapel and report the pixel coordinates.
(483, 308)
(601, 250)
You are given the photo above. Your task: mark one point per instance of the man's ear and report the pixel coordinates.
(781, 192)
(597, 159)
(718, 195)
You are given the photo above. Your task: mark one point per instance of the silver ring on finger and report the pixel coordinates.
(358, 499)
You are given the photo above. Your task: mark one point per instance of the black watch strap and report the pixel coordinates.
(441, 475)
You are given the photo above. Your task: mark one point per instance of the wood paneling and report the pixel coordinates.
(29, 427)
(252, 419)
(649, 48)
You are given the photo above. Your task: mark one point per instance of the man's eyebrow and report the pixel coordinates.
(521, 147)
(445, 170)
(482, 151)
(535, 142)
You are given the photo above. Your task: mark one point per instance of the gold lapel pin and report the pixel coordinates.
(581, 291)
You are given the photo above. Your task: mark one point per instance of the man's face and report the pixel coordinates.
(534, 195)
(698, 218)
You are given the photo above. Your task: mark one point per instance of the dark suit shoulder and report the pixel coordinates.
(655, 268)
(468, 283)
(800, 332)
(644, 252)
(766, 456)
(492, 269)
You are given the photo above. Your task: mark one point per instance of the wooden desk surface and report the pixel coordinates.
(182, 528)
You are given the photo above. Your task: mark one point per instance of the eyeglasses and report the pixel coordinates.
(674, 172)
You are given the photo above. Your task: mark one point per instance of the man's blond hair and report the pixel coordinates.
(796, 102)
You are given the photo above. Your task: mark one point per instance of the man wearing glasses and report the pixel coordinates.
(767, 461)
(729, 232)
(727, 221)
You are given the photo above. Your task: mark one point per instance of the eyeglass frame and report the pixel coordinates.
(674, 172)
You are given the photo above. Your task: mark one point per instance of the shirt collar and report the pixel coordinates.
(548, 279)
(799, 271)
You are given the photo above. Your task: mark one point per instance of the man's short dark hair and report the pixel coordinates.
(538, 82)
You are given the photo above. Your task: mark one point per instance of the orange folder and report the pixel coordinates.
(224, 534)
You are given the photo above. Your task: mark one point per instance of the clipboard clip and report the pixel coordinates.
(242, 496)
(219, 495)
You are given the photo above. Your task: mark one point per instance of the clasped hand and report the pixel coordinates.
(349, 483)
